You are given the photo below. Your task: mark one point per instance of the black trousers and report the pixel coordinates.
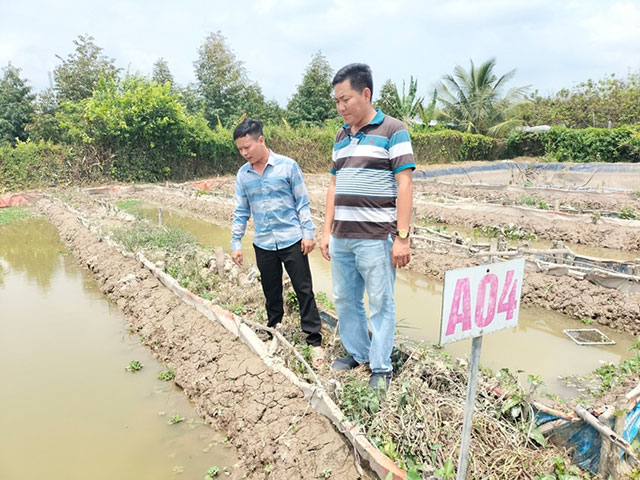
(270, 265)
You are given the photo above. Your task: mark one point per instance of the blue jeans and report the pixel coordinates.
(357, 264)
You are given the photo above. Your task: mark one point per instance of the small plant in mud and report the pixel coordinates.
(188, 269)
(595, 216)
(134, 366)
(176, 418)
(611, 375)
(292, 301)
(446, 471)
(628, 213)
(526, 200)
(202, 192)
(563, 470)
(212, 473)
(515, 407)
(509, 231)
(427, 220)
(167, 375)
(268, 468)
(326, 473)
(586, 320)
(323, 299)
(238, 308)
(359, 402)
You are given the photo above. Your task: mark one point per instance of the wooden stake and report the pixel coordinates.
(476, 349)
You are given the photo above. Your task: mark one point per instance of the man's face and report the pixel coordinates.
(251, 149)
(353, 106)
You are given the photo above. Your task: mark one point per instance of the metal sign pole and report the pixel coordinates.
(476, 348)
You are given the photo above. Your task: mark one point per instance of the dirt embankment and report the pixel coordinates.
(265, 417)
(578, 200)
(577, 298)
(609, 234)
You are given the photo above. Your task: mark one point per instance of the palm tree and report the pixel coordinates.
(405, 107)
(472, 100)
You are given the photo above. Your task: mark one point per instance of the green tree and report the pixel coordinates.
(610, 101)
(428, 113)
(388, 98)
(189, 97)
(16, 105)
(313, 102)
(133, 129)
(473, 101)
(161, 73)
(79, 73)
(273, 112)
(223, 85)
(405, 107)
(44, 125)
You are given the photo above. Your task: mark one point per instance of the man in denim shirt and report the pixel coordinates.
(272, 188)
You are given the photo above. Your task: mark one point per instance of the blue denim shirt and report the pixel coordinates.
(279, 202)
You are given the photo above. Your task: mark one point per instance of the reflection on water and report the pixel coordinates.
(25, 246)
(536, 346)
(68, 410)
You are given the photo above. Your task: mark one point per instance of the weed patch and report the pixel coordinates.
(12, 214)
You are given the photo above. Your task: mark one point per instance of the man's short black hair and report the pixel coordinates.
(358, 74)
(249, 127)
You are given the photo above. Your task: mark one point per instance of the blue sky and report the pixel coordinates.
(552, 44)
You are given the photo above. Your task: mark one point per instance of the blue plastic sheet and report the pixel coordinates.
(584, 441)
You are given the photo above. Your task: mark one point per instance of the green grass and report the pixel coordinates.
(11, 214)
(147, 236)
(129, 204)
(509, 231)
(629, 213)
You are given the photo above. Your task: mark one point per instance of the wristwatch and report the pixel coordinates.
(403, 234)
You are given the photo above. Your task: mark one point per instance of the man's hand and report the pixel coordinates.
(324, 246)
(307, 246)
(236, 256)
(400, 252)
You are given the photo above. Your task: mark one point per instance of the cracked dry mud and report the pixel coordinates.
(265, 417)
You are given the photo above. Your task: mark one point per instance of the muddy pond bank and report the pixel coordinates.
(229, 386)
(418, 304)
(443, 423)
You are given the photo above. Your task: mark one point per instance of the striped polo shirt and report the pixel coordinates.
(365, 165)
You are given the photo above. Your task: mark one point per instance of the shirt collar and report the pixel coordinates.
(272, 158)
(376, 120)
(271, 161)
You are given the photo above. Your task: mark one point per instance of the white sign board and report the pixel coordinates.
(481, 300)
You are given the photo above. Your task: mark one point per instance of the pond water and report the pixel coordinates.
(537, 345)
(68, 408)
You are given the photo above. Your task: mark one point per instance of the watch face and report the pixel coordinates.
(403, 234)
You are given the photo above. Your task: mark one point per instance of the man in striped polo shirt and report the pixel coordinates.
(366, 230)
(272, 188)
